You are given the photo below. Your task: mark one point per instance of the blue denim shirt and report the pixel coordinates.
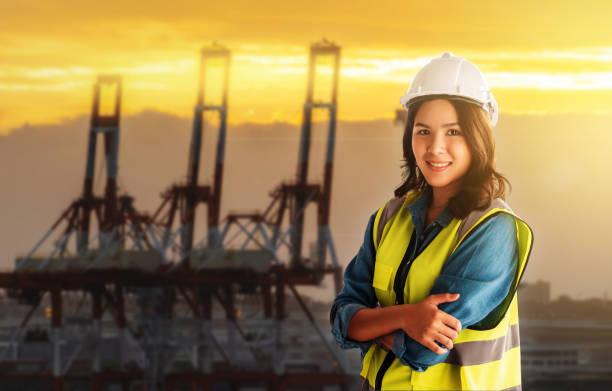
(481, 270)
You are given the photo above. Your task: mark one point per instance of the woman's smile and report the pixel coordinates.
(438, 166)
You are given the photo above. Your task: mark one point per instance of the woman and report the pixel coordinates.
(443, 259)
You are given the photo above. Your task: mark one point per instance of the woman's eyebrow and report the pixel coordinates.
(444, 126)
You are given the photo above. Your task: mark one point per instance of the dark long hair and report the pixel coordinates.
(481, 183)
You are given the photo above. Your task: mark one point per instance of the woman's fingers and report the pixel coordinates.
(434, 347)
(451, 321)
(445, 340)
(439, 298)
(448, 332)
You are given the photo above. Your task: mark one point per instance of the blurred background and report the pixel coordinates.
(121, 267)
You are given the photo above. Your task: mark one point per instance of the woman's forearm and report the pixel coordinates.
(370, 323)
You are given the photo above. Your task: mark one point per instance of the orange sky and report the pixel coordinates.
(537, 56)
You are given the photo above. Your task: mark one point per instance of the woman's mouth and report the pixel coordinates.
(438, 166)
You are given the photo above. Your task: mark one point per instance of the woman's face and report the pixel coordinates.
(439, 145)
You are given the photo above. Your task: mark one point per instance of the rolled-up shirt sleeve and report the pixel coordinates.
(357, 292)
(481, 270)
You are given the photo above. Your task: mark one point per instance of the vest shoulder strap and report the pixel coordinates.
(394, 204)
(389, 210)
(474, 216)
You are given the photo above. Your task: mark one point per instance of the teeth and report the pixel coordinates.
(439, 164)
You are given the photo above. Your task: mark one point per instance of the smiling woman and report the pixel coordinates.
(456, 132)
(440, 148)
(430, 298)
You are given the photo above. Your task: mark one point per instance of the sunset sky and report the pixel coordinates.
(549, 65)
(538, 57)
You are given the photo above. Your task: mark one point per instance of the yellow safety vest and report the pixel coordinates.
(483, 357)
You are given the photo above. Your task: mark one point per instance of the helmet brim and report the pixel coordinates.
(423, 98)
(485, 106)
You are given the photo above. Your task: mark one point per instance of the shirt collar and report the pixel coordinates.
(418, 210)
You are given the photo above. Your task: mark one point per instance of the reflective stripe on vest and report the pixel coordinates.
(485, 355)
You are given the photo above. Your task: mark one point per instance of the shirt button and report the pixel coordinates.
(422, 237)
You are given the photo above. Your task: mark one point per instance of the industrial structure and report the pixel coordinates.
(185, 198)
(136, 304)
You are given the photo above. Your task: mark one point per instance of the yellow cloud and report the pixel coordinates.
(51, 54)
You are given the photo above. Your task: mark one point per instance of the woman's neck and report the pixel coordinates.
(441, 197)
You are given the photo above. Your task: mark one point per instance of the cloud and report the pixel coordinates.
(52, 52)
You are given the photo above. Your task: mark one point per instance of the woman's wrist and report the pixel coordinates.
(398, 315)
(405, 314)
(371, 323)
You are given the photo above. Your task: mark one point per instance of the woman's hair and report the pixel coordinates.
(481, 183)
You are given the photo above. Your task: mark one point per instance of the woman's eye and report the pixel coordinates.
(422, 131)
(454, 132)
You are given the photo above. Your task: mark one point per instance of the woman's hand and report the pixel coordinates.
(425, 322)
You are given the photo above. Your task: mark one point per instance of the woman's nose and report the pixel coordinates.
(437, 143)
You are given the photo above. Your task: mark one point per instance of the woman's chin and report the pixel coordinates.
(438, 182)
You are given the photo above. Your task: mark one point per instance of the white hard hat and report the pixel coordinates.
(455, 76)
